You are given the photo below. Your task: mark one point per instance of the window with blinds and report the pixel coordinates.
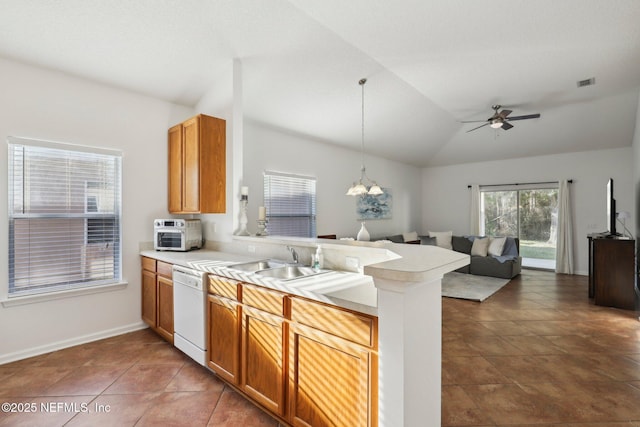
(64, 216)
(290, 201)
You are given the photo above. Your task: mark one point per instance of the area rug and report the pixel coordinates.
(471, 287)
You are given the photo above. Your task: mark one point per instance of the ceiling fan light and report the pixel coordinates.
(375, 190)
(496, 123)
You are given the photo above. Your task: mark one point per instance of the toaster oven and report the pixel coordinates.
(177, 234)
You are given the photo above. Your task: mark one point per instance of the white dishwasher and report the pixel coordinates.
(189, 305)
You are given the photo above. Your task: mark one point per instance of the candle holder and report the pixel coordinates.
(262, 228)
(244, 200)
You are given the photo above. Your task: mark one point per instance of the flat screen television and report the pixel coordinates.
(611, 210)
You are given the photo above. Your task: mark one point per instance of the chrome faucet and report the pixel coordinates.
(294, 254)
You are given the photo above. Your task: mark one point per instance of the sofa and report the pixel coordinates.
(489, 256)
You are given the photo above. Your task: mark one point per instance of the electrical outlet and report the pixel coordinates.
(211, 228)
(251, 249)
(352, 262)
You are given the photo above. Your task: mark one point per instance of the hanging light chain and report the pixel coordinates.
(360, 188)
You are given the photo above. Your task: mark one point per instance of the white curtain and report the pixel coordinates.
(474, 217)
(564, 245)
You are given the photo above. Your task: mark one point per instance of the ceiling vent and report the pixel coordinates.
(587, 82)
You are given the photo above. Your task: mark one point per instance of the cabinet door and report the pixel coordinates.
(223, 353)
(175, 169)
(263, 356)
(191, 164)
(165, 308)
(330, 380)
(149, 298)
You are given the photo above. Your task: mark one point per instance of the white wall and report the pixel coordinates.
(636, 172)
(53, 106)
(446, 200)
(335, 168)
(215, 103)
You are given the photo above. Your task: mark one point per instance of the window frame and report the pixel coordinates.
(304, 183)
(516, 189)
(110, 157)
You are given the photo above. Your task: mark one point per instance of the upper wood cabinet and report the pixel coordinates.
(197, 166)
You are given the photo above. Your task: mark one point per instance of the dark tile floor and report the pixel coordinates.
(133, 379)
(540, 353)
(537, 353)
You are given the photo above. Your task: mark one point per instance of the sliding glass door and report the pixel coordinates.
(529, 213)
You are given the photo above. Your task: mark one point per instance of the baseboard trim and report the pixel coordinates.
(59, 345)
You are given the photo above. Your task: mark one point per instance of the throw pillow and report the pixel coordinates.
(410, 236)
(496, 245)
(443, 238)
(396, 238)
(480, 246)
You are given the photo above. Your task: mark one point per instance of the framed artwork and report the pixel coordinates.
(374, 207)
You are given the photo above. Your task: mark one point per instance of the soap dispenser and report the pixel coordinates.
(318, 258)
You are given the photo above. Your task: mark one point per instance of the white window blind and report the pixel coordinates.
(290, 201)
(64, 216)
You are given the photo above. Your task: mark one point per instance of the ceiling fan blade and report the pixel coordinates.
(528, 116)
(504, 113)
(506, 125)
(477, 127)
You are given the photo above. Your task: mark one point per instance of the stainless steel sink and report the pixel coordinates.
(254, 266)
(290, 272)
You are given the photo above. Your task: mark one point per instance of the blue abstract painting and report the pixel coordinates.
(375, 207)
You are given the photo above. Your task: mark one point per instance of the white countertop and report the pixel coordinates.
(318, 287)
(417, 263)
(403, 264)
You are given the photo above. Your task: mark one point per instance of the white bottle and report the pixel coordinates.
(319, 258)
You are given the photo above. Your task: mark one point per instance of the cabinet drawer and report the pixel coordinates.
(354, 327)
(263, 299)
(222, 286)
(148, 264)
(164, 269)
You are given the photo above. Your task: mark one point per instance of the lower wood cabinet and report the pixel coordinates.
(263, 356)
(223, 350)
(308, 363)
(157, 297)
(331, 380)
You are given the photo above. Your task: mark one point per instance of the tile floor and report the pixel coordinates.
(133, 379)
(537, 353)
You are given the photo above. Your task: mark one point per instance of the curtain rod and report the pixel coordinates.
(570, 181)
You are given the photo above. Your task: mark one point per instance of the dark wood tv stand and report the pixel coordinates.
(612, 272)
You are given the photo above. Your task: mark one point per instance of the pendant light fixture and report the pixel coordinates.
(360, 188)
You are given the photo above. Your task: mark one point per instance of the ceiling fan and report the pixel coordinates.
(501, 119)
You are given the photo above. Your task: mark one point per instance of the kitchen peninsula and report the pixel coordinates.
(400, 288)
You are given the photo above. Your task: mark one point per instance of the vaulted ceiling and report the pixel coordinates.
(430, 65)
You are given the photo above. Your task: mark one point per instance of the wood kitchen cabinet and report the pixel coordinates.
(263, 352)
(157, 297)
(333, 366)
(223, 350)
(197, 166)
(223, 328)
(308, 363)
